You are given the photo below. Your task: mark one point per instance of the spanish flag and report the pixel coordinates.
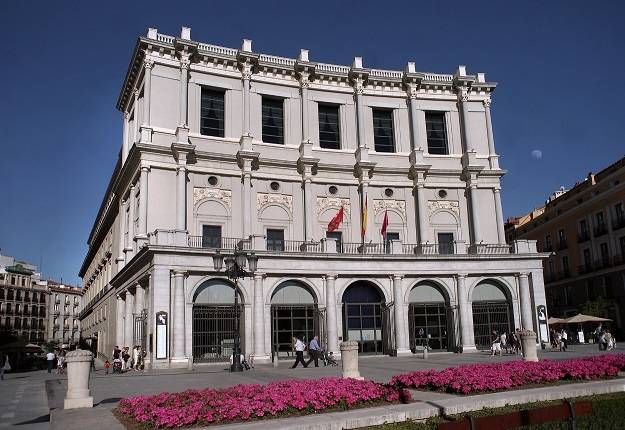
(363, 224)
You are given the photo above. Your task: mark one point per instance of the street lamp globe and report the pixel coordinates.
(252, 260)
(218, 261)
(229, 263)
(241, 259)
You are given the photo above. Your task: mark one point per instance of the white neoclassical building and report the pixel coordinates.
(228, 148)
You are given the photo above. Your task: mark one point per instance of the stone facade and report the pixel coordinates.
(584, 229)
(179, 195)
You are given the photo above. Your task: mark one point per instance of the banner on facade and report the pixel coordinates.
(161, 334)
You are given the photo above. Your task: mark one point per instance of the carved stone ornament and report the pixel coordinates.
(380, 206)
(486, 102)
(264, 199)
(224, 196)
(450, 205)
(324, 203)
(148, 64)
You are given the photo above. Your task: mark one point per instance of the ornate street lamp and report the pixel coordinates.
(235, 269)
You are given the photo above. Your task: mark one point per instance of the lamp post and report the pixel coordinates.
(236, 269)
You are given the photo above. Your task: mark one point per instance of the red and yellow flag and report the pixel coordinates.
(335, 223)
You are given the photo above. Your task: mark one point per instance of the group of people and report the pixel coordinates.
(126, 359)
(604, 338)
(559, 339)
(510, 343)
(315, 352)
(58, 356)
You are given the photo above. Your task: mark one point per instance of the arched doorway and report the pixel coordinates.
(363, 314)
(491, 312)
(294, 312)
(214, 317)
(429, 317)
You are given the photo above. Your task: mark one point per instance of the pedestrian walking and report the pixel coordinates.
(50, 358)
(6, 367)
(564, 337)
(136, 356)
(495, 343)
(107, 365)
(60, 362)
(314, 350)
(504, 342)
(299, 347)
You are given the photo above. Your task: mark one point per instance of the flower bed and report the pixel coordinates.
(476, 378)
(245, 402)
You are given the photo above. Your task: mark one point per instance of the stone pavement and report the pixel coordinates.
(31, 408)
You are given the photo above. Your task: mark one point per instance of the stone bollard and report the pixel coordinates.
(528, 345)
(425, 352)
(275, 360)
(78, 368)
(349, 359)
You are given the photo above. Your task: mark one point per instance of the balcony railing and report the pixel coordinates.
(583, 236)
(600, 230)
(331, 246)
(618, 223)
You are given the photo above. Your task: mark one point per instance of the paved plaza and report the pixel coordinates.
(28, 397)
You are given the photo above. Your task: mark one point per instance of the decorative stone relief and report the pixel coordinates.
(450, 205)
(224, 196)
(324, 203)
(263, 199)
(380, 206)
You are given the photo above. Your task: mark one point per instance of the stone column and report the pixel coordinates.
(475, 214)
(308, 204)
(184, 90)
(78, 368)
(463, 98)
(360, 112)
(528, 345)
(146, 130)
(304, 94)
(121, 218)
(349, 359)
(136, 136)
(139, 299)
(465, 314)
(422, 215)
(178, 331)
(142, 235)
(246, 73)
(414, 120)
(501, 233)
(120, 330)
(400, 321)
(259, 320)
(246, 201)
(527, 320)
(181, 197)
(492, 155)
(129, 323)
(331, 320)
(131, 228)
(125, 143)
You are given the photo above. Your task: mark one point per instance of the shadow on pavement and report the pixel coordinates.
(41, 419)
(109, 400)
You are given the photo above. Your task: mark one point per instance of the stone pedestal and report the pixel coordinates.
(78, 368)
(528, 345)
(349, 359)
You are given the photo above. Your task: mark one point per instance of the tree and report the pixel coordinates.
(50, 345)
(597, 308)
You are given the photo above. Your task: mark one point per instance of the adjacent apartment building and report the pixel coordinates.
(36, 309)
(228, 149)
(584, 231)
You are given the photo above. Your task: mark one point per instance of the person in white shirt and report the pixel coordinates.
(50, 357)
(299, 347)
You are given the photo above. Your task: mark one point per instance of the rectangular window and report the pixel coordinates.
(211, 236)
(621, 242)
(212, 113)
(275, 239)
(548, 243)
(390, 237)
(273, 120)
(600, 219)
(383, 130)
(583, 227)
(605, 254)
(329, 131)
(339, 239)
(445, 243)
(565, 265)
(587, 262)
(436, 132)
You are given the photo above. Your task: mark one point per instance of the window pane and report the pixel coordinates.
(436, 133)
(211, 236)
(212, 113)
(383, 130)
(273, 121)
(329, 134)
(275, 240)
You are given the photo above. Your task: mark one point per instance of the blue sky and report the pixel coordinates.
(559, 65)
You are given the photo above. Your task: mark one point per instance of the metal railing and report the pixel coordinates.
(600, 230)
(489, 248)
(217, 242)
